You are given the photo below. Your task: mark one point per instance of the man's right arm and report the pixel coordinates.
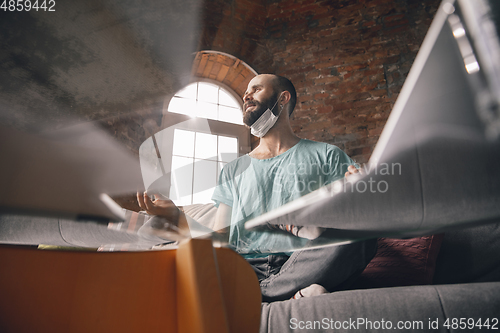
(223, 221)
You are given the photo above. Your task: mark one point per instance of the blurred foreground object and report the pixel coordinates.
(192, 289)
(67, 173)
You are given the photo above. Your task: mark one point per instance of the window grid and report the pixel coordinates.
(217, 104)
(219, 162)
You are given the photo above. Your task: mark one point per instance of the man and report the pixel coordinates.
(282, 168)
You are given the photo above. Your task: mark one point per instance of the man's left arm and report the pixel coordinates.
(351, 170)
(340, 163)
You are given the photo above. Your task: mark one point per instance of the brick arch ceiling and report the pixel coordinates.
(223, 68)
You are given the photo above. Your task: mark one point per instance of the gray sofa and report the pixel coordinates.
(466, 285)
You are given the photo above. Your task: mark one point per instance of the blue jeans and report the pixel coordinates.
(333, 267)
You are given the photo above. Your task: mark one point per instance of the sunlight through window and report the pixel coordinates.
(206, 100)
(197, 160)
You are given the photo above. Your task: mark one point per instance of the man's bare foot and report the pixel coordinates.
(312, 290)
(299, 231)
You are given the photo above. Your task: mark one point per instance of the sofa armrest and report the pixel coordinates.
(416, 305)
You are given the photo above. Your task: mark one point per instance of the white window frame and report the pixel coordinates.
(172, 121)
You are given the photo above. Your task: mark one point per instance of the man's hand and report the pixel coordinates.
(172, 221)
(351, 170)
(159, 207)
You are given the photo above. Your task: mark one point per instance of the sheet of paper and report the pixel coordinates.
(67, 173)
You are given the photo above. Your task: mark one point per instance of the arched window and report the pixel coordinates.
(207, 100)
(203, 131)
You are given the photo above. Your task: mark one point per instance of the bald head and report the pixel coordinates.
(280, 84)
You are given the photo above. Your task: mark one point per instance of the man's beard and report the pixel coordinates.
(250, 117)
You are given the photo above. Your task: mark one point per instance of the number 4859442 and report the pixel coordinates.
(471, 323)
(28, 5)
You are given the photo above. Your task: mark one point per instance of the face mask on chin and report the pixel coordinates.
(266, 121)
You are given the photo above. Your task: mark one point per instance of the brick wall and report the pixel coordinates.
(236, 27)
(347, 58)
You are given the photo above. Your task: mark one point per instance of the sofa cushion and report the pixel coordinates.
(420, 306)
(204, 214)
(401, 262)
(469, 255)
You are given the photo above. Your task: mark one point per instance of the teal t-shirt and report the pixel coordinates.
(253, 187)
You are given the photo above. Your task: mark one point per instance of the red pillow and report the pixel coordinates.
(401, 262)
